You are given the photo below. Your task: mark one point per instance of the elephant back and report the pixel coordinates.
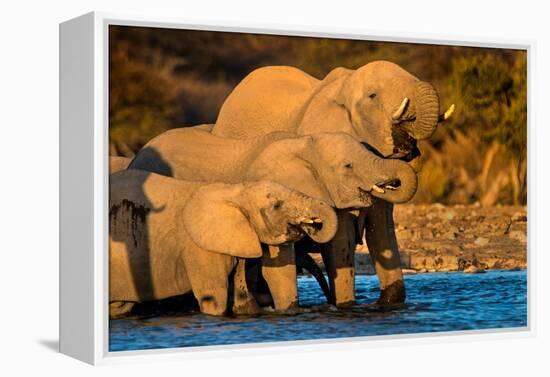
(268, 99)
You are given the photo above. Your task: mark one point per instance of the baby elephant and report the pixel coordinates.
(168, 237)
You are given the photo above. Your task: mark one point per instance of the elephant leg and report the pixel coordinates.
(118, 309)
(243, 301)
(209, 277)
(256, 283)
(384, 252)
(339, 258)
(279, 271)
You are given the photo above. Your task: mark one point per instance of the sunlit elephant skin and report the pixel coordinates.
(380, 104)
(168, 237)
(118, 163)
(333, 167)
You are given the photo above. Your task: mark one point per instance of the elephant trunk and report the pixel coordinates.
(427, 111)
(395, 181)
(304, 260)
(319, 221)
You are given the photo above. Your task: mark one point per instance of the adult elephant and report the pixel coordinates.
(168, 237)
(380, 104)
(333, 167)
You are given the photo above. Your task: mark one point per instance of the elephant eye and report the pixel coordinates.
(372, 95)
(349, 165)
(278, 204)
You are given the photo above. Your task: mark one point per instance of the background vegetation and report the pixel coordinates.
(163, 78)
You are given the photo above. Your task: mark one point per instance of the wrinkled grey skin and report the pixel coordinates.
(168, 237)
(332, 167)
(362, 103)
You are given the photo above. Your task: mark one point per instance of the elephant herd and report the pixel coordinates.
(292, 166)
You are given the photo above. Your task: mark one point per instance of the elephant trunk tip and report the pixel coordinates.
(321, 225)
(400, 187)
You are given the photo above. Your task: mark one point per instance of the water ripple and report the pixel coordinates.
(435, 302)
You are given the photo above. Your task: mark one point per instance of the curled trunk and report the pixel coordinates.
(401, 178)
(427, 111)
(324, 229)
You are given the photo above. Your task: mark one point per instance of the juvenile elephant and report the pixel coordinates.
(379, 104)
(333, 167)
(168, 237)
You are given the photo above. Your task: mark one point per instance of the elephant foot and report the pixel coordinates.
(346, 304)
(393, 294)
(212, 304)
(248, 308)
(292, 309)
(120, 309)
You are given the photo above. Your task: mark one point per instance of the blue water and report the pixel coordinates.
(435, 302)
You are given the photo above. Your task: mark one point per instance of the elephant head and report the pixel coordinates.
(335, 168)
(235, 219)
(388, 108)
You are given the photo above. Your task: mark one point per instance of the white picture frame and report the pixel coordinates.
(83, 86)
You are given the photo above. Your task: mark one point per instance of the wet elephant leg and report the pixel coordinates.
(279, 271)
(384, 252)
(339, 259)
(243, 301)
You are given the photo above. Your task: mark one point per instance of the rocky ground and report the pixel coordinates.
(465, 238)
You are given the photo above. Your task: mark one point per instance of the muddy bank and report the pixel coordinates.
(470, 238)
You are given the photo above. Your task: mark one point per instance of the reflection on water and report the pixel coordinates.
(435, 302)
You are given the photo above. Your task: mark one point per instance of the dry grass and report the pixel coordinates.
(464, 170)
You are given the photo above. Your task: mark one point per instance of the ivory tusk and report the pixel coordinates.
(377, 189)
(447, 113)
(399, 112)
(305, 220)
(317, 220)
(390, 187)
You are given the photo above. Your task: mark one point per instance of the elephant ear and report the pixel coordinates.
(345, 90)
(337, 73)
(217, 224)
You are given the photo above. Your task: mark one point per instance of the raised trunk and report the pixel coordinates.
(427, 111)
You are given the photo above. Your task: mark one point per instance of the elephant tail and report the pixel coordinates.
(304, 260)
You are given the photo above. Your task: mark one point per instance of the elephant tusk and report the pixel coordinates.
(390, 187)
(377, 189)
(447, 114)
(305, 220)
(399, 112)
(317, 220)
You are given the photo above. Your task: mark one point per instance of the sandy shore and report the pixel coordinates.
(470, 238)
